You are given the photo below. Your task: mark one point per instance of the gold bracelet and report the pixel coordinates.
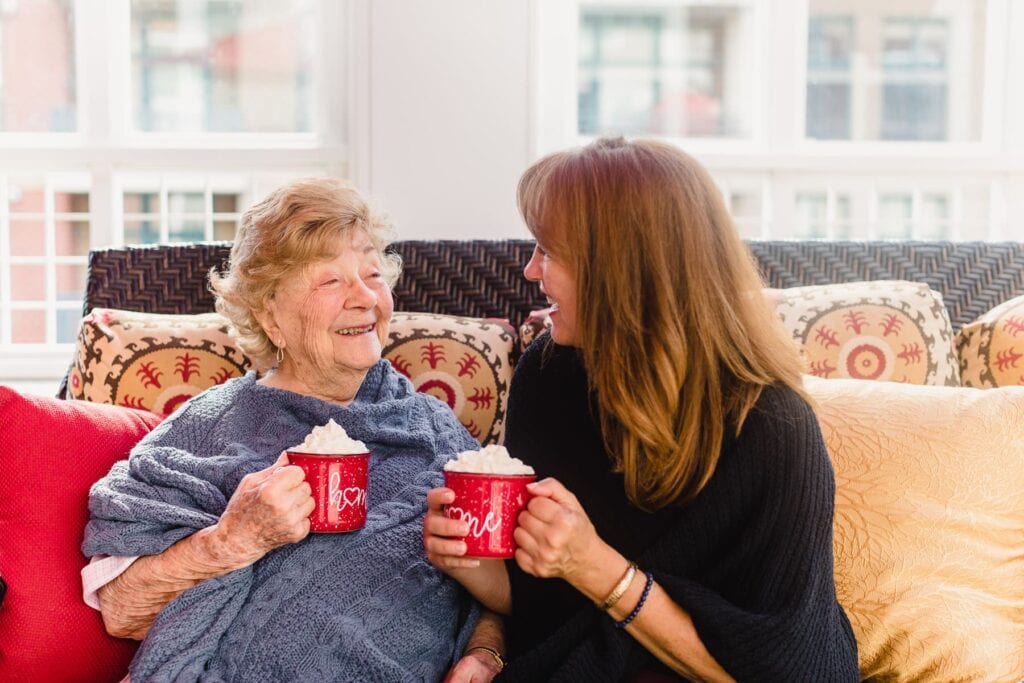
(620, 588)
(498, 659)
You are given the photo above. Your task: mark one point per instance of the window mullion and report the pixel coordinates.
(6, 317)
(50, 270)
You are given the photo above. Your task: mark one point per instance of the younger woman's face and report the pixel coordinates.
(558, 284)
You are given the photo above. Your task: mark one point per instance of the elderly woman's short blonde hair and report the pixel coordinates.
(294, 226)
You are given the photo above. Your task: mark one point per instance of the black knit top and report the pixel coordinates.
(750, 558)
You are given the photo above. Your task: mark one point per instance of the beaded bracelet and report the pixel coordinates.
(643, 598)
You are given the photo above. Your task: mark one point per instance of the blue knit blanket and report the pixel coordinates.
(361, 606)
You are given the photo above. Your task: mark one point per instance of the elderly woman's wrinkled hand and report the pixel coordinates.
(270, 508)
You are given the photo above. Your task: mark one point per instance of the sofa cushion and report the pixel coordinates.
(465, 362)
(157, 362)
(51, 452)
(991, 349)
(929, 526)
(151, 361)
(882, 330)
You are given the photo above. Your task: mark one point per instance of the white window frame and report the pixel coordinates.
(116, 158)
(778, 151)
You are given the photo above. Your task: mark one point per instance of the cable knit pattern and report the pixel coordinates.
(750, 559)
(362, 606)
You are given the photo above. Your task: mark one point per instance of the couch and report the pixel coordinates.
(929, 532)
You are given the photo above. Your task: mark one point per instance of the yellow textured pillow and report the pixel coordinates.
(929, 526)
(884, 330)
(991, 348)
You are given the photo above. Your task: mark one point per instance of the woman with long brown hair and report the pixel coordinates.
(685, 522)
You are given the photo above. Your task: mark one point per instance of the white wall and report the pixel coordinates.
(447, 115)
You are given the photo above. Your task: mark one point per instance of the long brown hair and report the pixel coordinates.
(675, 335)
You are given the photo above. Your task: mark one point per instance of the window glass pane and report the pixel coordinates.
(142, 202)
(182, 229)
(811, 210)
(213, 65)
(28, 237)
(894, 216)
(67, 325)
(895, 70)
(186, 202)
(28, 282)
(28, 327)
(671, 70)
(224, 230)
(829, 57)
(72, 238)
(37, 66)
(225, 203)
(70, 281)
(26, 195)
(935, 217)
(71, 202)
(141, 231)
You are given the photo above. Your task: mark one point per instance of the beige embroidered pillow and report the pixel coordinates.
(537, 323)
(991, 349)
(157, 362)
(465, 362)
(929, 526)
(881, 330)
(151, 361)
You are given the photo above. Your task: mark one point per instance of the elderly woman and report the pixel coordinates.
(223, 581)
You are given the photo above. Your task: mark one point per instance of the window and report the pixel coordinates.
(44, 68)
(214, 66)
(829, 77)
(143, 121)
(819, 119)
(677, 71)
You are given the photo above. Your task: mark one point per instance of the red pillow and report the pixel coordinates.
(51, 452)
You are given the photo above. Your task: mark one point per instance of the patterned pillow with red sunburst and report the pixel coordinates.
(991, 348)
(465, 362)
(151, 361)
(883, 330)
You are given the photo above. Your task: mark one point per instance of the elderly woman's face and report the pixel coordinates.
(333, 315)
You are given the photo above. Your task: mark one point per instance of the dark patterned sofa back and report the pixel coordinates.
(483, 278)
(476, 278)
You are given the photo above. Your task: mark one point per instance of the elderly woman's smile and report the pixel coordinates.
(331, 320)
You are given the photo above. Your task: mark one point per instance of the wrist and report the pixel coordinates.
(220, 551)
(598, 575)
(488, 655)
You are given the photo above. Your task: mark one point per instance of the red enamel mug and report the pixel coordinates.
(340, 485)
(490, 504)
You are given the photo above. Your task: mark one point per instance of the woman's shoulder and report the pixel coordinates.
(782, 426)
(547, 362)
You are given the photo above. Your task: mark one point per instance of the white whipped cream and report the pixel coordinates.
(330, 439)
(491, 459)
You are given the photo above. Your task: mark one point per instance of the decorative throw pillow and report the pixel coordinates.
(465, 362)
(537, 322)
(882, 330)
(151, 361)
(51, 452)
(929, 526)
(991, 348)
